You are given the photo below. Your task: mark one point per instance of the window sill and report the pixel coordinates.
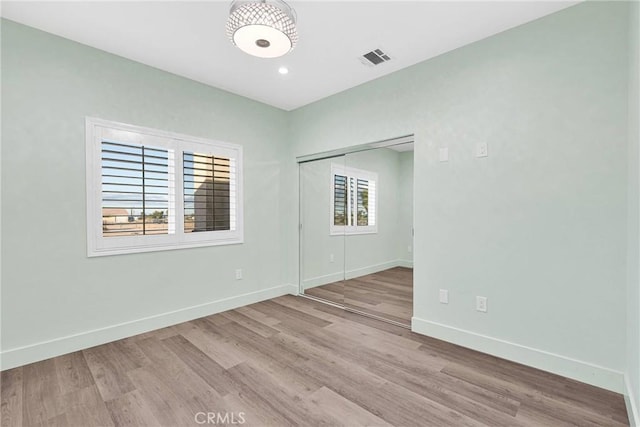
(94, 252)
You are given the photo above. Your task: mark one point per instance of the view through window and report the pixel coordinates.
(153, 190)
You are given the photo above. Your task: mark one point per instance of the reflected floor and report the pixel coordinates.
(387, 294)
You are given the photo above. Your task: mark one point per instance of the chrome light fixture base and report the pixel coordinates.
(266, 28)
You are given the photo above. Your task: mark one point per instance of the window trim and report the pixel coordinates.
(341, 230)
(97, 245)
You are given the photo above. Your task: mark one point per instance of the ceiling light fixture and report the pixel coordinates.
(283, 70)
(266, 28)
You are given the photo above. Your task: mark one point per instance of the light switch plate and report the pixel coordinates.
(482, 150)
(481, 304)
(443, 155)
(444, 296)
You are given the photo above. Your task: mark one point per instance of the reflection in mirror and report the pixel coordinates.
(323, 215)
(379, 236)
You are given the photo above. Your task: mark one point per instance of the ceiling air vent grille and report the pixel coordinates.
(375, 57)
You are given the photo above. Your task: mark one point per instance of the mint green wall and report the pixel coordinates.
(368, 253)
(539, 226)
(633, 259)
(50, 288)
(405, 214)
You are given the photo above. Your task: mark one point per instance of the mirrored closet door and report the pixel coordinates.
(356, 235)
(322, 256)
(379, 244)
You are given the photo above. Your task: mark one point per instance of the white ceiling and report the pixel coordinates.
(188, 38)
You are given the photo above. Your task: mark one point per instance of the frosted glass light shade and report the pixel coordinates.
(264, 29)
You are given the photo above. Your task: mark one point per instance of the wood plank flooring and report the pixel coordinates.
(294, 362)
(387, 294)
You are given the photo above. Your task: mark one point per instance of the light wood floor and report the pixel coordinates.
(387, 294)
(293, 361)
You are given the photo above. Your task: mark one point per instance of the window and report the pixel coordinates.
(353, 201)
(149, 190)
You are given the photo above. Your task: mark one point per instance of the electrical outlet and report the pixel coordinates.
(481, 304)
(332, 258)
(409, 248)
(444, 296)
(482, 150)
(239, 274)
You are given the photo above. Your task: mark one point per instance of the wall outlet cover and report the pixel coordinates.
(444, 296)
(443, 154)
(481, 304)
(482, 149)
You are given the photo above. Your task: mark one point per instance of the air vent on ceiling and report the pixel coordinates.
(375, 57)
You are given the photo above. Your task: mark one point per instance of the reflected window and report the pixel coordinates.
(353, 201)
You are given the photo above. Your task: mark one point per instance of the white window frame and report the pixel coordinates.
(97, 130)
(340, 230)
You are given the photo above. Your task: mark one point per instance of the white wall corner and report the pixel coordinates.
(631, 402)
(19, 356)
(292, 289)
(578, 370)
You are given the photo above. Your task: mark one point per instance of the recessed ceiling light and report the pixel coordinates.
(283, 70)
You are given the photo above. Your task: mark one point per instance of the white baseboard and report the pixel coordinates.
(352, 274)
(631, 402)
(322, 280)
(405, 263)
(44, 350)
(578, 370)
(358, 272)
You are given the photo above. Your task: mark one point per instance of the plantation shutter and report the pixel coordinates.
(135, 190)
(339, 200)
(209, 193)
